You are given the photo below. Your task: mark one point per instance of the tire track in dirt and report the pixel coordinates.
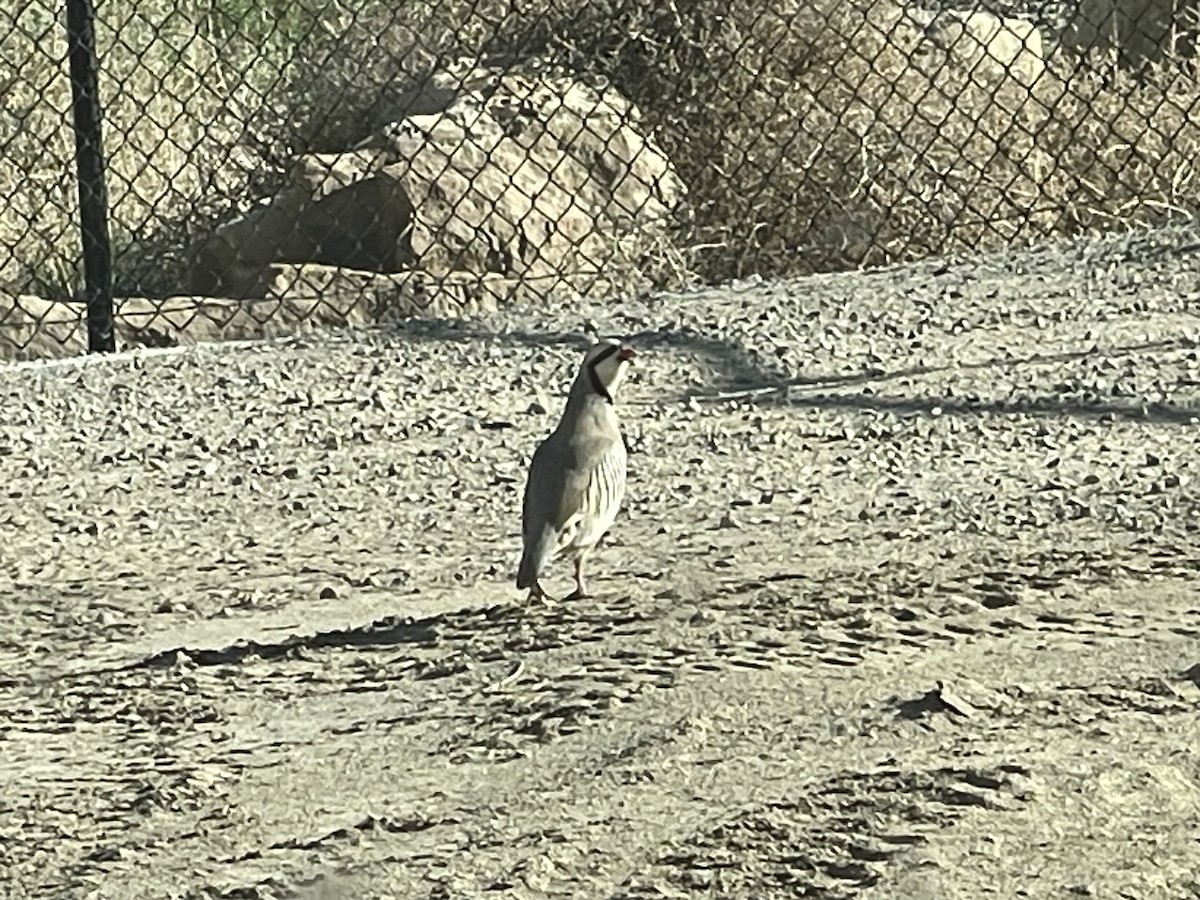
(830, 843)
(495, 719)
(493, 711)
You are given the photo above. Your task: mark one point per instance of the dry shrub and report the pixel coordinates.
(174, 102)
(826, 134)
(355, 66)
(1120, 149)
(37, 184)
(807, 131)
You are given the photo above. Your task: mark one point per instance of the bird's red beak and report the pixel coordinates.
(625, 354)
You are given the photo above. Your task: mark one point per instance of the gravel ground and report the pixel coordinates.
(902, 605)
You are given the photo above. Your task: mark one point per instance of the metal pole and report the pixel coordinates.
(89, 164)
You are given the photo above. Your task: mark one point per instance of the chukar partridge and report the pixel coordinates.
(577, 474)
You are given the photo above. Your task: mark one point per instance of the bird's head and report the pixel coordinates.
(604, 367)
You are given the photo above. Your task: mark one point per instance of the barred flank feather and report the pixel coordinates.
(602, 501)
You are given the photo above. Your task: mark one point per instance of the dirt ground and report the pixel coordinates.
(903, 603)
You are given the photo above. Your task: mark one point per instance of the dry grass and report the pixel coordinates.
(813, 134)
(36, 169)
(820, 136)
(174, 101)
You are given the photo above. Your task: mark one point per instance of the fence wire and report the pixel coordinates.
(272, 165)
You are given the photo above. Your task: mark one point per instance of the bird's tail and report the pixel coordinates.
(527, 571)
(532, 560)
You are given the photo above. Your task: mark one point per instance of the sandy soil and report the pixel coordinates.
(903, 604)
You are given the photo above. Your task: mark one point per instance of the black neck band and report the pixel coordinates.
(594, 379)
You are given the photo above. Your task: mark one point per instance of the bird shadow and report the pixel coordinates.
(739, 374)
(389, 631)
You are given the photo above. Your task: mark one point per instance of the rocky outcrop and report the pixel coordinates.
(528, 180)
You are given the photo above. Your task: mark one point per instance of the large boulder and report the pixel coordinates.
(532, 177)
(988, 49)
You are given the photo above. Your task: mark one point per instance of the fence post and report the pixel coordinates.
(89, 164)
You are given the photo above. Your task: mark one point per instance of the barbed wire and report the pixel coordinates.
(215, 169)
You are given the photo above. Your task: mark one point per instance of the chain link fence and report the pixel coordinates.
(272, 164)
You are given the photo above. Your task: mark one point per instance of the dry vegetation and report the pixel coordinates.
(818, 136)
(813, 134)
(173, 106)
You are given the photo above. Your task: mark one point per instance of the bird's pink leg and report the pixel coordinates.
(580, 591)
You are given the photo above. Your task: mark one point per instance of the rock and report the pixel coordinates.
(297, 297)
(528, 176)
(335, 295)
(336, 211)
(999, 47)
